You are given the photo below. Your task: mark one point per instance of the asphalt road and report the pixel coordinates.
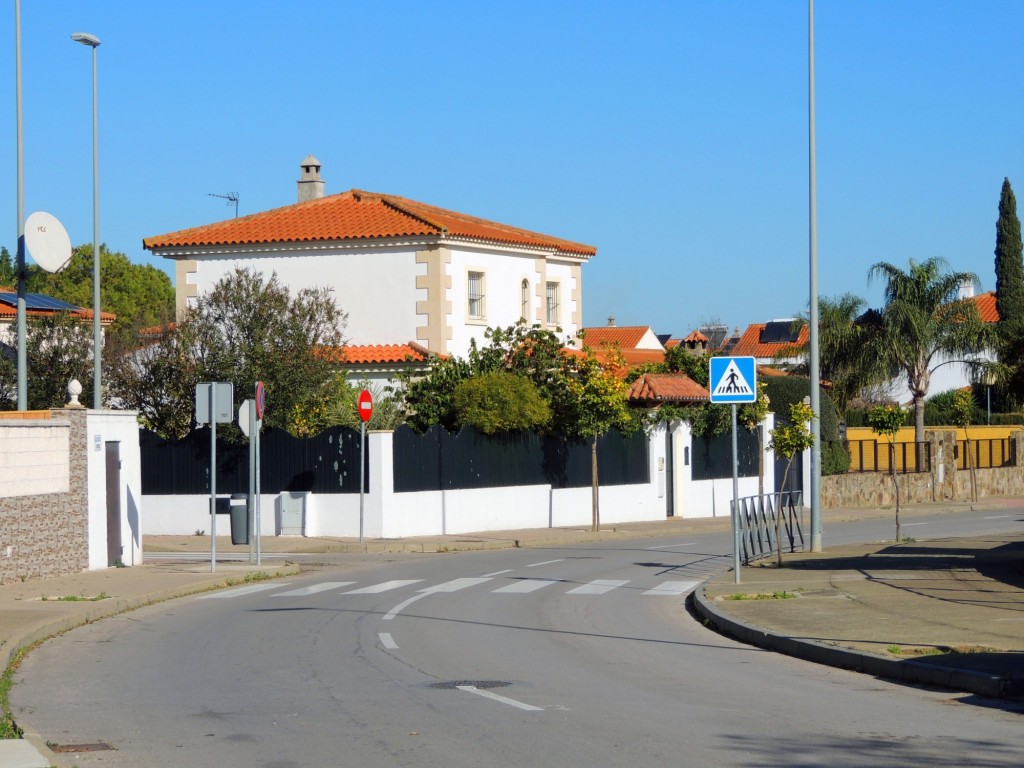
(576, 656)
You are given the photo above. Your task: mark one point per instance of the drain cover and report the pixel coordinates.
(480, 684)
(99, 746)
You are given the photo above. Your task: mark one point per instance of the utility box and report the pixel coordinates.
(239, 518)
(291, 513)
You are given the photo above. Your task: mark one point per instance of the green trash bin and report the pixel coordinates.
(239, 518)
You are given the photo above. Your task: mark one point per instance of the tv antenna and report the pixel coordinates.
(231, 197)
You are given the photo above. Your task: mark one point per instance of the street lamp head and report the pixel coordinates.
(86, 39)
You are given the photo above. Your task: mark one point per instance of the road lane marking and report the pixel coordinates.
(321, 587)
(907, 525)
(384, 586)
(387, 641)
(546, 562)
(239, 591)
(597, 587)
(669, 546)
(995, 517)
(671, 588)
(495, 697)
(526, 585)
(497, 573)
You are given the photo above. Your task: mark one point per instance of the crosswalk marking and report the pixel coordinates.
(384, 586)
(239, 591)
(671, 588)
(455, 585)
(597, 587)
(525, 585)
(314, 589)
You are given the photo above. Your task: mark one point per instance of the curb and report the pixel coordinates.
(910, 671)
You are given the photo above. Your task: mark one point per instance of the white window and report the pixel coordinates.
(524, 300)
(475, 291)
(552, 303)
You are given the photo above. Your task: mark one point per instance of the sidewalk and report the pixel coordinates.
(851, 606)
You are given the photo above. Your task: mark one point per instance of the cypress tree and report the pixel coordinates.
(1009, 270)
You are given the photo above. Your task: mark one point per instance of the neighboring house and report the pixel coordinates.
(655, 389)
(401, 269)
(775, 344)
(38, 305)
(637, 344)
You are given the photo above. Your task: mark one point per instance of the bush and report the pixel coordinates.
(499, 402)
(783, 391)
(835, 459)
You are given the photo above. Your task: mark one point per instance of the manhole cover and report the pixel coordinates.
(480, 684)
(99, 746)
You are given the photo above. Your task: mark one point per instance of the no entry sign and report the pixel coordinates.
(365, 405)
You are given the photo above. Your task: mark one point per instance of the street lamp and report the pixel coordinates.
(97, 395)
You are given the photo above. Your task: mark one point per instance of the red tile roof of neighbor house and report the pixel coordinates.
(667, 388)
(358, 215)
(377, 354)
(750, 344)
(8, 311)
(696, 336)
(626, 336)
(986, 303)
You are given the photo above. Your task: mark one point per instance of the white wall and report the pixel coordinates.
(375, 286)
(34, 457)
(121, 427)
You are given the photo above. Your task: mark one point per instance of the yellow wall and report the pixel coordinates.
(906, 434)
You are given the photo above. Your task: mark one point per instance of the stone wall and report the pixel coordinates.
(943, 483)
(46, 534)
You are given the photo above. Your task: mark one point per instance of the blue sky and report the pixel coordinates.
(671, 135)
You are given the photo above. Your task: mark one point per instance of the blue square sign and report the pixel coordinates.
(733, 380)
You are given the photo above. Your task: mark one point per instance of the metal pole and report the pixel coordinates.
(22, 356)
(97, 340)
(362, 475)
(735, 500)
(213, 478)
(259, 541)
(250, 517)
(988, 405)
(813, 318)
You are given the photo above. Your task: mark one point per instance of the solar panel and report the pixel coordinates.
(780, 331)
(38, 301)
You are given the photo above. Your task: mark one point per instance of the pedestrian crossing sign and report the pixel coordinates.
(733, 380)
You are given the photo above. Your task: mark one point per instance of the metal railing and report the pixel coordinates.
(989, 453)
(757, 520)
(873, 456)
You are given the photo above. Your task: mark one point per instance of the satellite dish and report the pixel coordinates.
(47, 241)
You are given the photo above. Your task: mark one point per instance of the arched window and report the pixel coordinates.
(524, 300)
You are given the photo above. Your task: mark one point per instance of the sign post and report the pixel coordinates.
(733, 380)
(365, 406)
(214, 404)
(260, 406)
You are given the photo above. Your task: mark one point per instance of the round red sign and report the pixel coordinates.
(365, 405)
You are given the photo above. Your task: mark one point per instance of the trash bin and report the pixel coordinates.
(239, 518)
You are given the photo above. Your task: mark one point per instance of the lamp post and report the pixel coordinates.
(97, 386)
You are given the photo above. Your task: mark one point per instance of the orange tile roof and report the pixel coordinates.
(377, 354)
(986, 304)
(667, 388)
(672, 343)
(358, 215)
(8, 312)
(750, 344)
(696, 336)
(626, 336)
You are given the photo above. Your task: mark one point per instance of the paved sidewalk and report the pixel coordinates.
(852, 606)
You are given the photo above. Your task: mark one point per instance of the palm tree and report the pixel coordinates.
(849, 340)
(924, 324)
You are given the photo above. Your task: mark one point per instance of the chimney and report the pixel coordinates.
(611, 321)
(311, 186)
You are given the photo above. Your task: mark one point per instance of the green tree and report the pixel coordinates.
(58, 348)
(500, 402)
(849, 341)
(924, 324)
(248, 328)
(963, 412)
(1010, 290)
(8, 270)
(750, 415)
(886, 420)
(789, 440)
(598, 401)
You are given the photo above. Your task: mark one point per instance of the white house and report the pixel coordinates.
(402, 270)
